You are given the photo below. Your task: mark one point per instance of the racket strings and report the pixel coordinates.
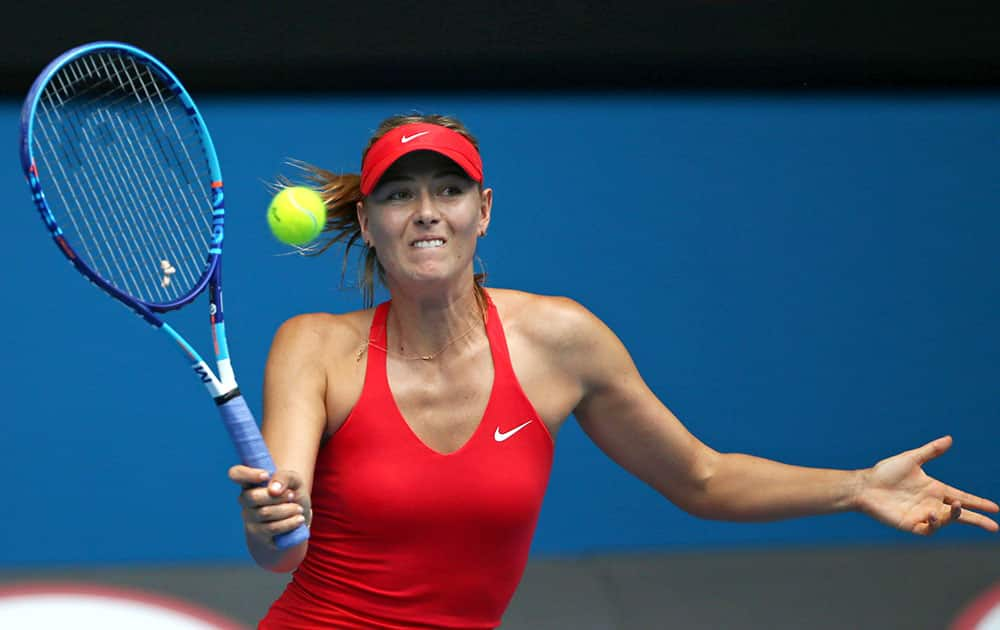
(129, 170)
(141, 84)
(166, 190)
(99, 225)
(122, 223)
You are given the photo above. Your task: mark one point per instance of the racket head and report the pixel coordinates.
(124, 173)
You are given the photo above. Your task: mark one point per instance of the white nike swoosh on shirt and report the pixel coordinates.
(406, 139)
(500, 437)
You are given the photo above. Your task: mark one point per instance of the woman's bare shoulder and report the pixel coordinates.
(325, 332)
(547, 319)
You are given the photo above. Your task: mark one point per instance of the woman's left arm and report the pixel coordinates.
(630, 424)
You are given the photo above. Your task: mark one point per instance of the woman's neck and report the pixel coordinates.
(424, 325)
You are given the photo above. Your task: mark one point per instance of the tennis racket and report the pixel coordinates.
(124, 174)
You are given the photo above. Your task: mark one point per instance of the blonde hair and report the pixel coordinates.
(342, 192)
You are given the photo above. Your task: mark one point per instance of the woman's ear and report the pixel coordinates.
(485, 210)
(363, 222)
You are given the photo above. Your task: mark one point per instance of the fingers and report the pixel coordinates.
(937, 518)
(270, 521)
(969, 501)
(272, 504)
(276, 513)
(953, 513)
(284, 480)
(281, 481)
(256, 497)
(247, 476)
(972, 518)
(932, 449)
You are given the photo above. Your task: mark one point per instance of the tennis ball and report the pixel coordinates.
(296, 215)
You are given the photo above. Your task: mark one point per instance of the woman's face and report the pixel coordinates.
(423, 219)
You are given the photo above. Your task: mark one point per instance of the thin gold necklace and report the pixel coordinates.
(414, 357)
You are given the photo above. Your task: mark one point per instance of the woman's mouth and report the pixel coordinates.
(427, 243)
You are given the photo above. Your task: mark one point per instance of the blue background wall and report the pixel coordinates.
(812, 279)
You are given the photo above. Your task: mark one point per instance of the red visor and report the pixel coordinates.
(419, 137)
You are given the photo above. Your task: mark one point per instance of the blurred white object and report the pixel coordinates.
(45, 606)
(983, 613)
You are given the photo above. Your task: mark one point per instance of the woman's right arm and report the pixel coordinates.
(294, 422)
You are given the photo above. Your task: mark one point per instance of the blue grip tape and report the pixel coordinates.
(253, 452)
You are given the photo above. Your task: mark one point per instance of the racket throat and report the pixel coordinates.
(212, 384)
(216, 386)
(227, 378)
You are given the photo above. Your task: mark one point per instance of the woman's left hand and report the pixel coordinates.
(897, 492)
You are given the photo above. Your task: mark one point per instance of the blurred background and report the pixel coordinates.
(786, 211)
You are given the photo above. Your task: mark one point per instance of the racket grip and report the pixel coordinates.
(253, 452)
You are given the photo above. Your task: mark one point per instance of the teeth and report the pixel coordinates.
(425, 244)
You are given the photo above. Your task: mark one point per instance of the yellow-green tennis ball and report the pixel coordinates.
(296, 215)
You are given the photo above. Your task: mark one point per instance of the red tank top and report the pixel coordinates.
(406, 537)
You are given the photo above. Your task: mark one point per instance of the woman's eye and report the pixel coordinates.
(398, 195)
(449, 191)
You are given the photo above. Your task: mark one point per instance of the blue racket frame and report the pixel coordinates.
(223, 388)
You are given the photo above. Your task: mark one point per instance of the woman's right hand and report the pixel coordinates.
(272, 509)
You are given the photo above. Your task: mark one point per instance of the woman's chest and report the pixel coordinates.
(444, 405)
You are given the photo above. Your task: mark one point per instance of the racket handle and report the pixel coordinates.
(253, 452)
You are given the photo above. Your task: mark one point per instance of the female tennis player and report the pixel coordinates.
(416, 438)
